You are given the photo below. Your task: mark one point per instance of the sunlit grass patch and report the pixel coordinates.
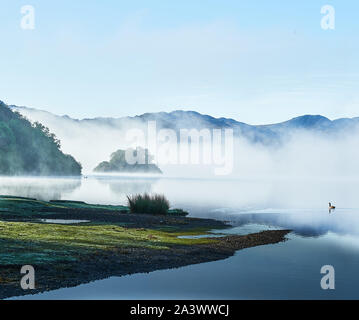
(101, 237)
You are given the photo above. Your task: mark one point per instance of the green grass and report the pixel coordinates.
(84, 205)
(36, 243)
(150, 204)
(24, 240)
(28, 207)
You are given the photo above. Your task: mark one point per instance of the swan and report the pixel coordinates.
(331, 207)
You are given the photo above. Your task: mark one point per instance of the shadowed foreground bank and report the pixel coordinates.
(112, 242)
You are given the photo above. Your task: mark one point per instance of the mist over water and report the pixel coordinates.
(288, 203)
(285, 270)
(40, 188)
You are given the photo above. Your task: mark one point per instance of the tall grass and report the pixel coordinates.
(151, 204)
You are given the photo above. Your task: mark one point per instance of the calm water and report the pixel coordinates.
(281, 271)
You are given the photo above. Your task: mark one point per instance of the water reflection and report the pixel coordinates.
(39, 188)
(306, 223)
(127, 186)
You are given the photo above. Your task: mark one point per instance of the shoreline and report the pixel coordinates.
(115, 243)
(134, 261)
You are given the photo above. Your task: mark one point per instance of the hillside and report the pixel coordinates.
(30, 149)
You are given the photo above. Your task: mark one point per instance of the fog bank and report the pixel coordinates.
(301, 154)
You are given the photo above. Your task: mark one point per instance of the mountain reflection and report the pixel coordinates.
(305, 224)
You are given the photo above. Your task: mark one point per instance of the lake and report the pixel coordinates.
(289, 270)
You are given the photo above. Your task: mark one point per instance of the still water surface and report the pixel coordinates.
(289, 270)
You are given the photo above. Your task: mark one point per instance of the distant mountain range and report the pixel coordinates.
(298, 144)
(264, 134)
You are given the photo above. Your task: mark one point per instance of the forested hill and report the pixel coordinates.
(30, 149)
(118, 163)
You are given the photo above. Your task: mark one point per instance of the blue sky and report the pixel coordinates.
(256, 61)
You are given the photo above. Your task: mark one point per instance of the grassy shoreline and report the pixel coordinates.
(113, 243)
